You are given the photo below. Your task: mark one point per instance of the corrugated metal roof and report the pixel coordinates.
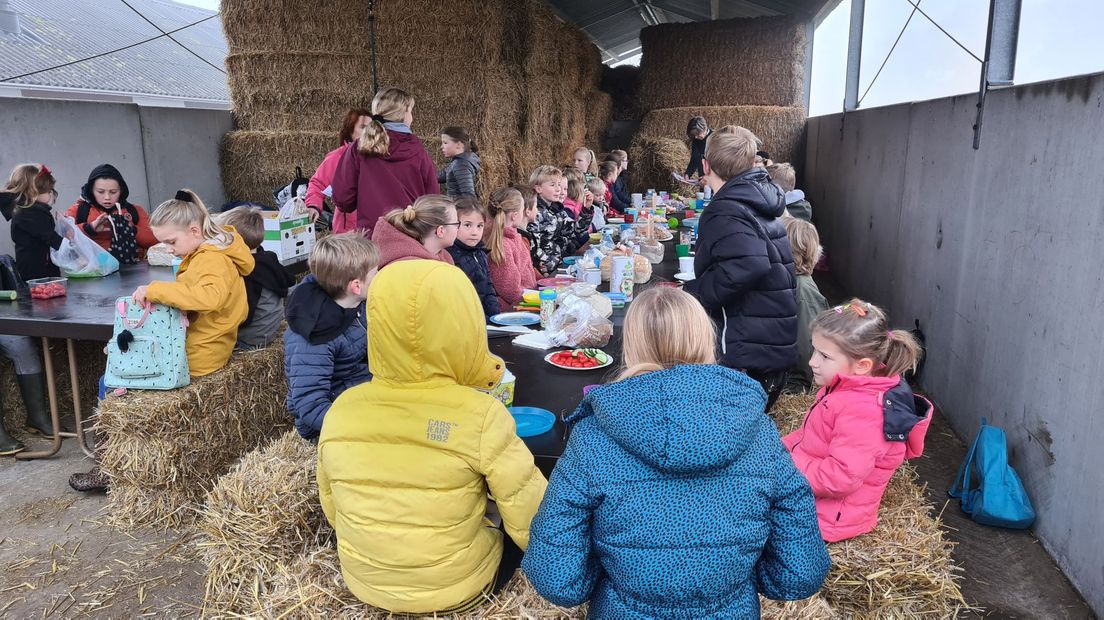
(59, 31)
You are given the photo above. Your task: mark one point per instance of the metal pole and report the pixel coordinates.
(372, 36)
(1001, 42)
(854, 55)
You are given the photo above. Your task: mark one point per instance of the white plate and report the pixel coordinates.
(684, 277)
(548, 358)
(516, 318)
(616, 220)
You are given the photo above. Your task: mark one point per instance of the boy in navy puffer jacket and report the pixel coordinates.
(675, 497)
(326, 342)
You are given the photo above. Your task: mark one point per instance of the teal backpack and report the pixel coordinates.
(996, 497)
(147, 349)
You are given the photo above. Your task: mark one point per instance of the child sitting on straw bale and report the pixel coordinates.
(744, 266)
(470, 254)
(796, 206)
(509, 263)
(423, 230)
(805, 243)
(462, 173)
(600, 192)
(555, 233)
(584, 162)
(577, 196)
(674, 497)
(607, 173)
(866, 420)
(326, 342)
(265, 287)
(406, 461)
(620, 199)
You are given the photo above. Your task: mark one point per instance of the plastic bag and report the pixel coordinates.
(576, 324)
(602, 305)
(159, 256)
(79, 256)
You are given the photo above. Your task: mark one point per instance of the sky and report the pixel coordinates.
(1058, 38)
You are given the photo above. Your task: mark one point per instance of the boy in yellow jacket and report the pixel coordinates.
(405, 463)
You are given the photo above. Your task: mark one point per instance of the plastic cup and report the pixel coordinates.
(682, 250)
(629, 218)
(686, 264)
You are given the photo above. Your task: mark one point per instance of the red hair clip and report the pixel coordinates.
(43, 171)
(859, 310)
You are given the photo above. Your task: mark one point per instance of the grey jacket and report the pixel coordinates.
(461, 175)
(810, 303)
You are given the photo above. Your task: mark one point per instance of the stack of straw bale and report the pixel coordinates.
(523, 83)
(163, 450)
(90, 363)
(747, 72)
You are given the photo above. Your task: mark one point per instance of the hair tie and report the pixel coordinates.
(379, 118)
(43, 171)
(183, 195)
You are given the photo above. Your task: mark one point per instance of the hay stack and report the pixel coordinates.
(254, 163)
(90, 364)
(758, 61)
(163, 450)
(780, 129)
(654, 159)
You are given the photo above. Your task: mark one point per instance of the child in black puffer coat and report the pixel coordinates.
(470, 255)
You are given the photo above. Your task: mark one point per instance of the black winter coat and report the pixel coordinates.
(746, 282)
(32, 231)
(473, 261)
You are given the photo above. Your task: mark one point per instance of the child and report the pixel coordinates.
(744, 267)
(105, 215)
(509, 262)
(620, 199)
(866, 420)
(470, 255)
(31, 191)
(267, 285)
(583, 161)
(326, 342)
(406, 461)
(528, 216)
(607, 173)
(577, 194)
(425, 229)
(805, 243)
(598, 190)
(462, 173)
(209, 285)
(796, 205)
(698, 131)
(680, 506)
(555, 233)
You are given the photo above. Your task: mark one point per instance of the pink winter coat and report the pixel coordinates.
(574, 207)
(323, 178)
(515, 273)
(395, 245)
(853, 439)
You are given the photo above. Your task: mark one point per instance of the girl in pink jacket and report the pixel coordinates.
(865, 421)
(508, 257)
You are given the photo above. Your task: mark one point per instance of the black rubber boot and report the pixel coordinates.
(33, 389)
(8, 444)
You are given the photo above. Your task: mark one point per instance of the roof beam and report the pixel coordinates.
(854, 55)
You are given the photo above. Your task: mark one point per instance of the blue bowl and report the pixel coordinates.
(532, 421)
(570, 260)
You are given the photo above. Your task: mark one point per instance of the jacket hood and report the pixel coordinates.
(105, 171)
(7, 205)
(270, 274)
(404, 147)
(471, 158)
(314, 315)
(754, 189)
(394, 245)
(902, 411)
(237, 252)
(426, 326)
(674, 429)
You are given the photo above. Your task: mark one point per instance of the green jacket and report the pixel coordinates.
(810, 303)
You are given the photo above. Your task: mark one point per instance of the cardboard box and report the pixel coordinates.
(291, 238)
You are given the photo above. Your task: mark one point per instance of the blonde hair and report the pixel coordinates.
(28, 181)
(729, 154)
(576, 183)
(543, 174)
(390, 105)
(420, 219)
(528, 195)
(665, 327)
(248, 222)
(503, 202)
(783, 175)
(805, 243)
(185, 210)
(339, 259)
(597, 187)
(592, 167)
(861, 329)
(620, 154)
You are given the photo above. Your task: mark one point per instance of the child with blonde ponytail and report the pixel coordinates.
(675, 469)
(209, 285)
(865, 422)
(508, 255)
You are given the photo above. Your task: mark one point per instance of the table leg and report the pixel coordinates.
(51, 392)
(71, 350)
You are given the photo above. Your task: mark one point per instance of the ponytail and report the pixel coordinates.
(902, 353)
(389, 106)
(461, 136)
(185, 210)
(503, 201)
(861, 330)
(419, 220)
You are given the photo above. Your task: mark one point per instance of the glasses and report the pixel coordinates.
(451, 224)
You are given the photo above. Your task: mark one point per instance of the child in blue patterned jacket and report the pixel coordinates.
(675, 497)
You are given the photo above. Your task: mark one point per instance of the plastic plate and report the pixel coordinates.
(516, 318)
(684, 277)
(532, 421)
(548, 358)
(556, 281)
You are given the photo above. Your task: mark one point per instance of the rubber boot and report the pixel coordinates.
(8, 444)
(33, 389)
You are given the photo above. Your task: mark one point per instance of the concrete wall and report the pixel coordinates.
(158, 150)
(998, 253)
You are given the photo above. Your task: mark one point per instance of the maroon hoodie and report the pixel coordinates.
(395, 245)
(372, 186)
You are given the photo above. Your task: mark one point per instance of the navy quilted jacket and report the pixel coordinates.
(675, 499)
(473, 262)
(325, 353)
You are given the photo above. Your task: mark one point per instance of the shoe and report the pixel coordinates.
(33, 389)
(92, 482)
(8, 445)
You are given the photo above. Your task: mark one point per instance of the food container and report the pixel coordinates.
(652, 250)
(621, 276)
(504, 391)
(48, 288)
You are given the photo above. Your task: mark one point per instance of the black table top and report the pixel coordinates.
(85, 313)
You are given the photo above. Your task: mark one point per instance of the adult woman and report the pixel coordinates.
(108, 218)
(388, 168)
(351, 128)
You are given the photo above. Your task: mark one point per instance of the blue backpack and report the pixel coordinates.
(147, 349)
(999, 498)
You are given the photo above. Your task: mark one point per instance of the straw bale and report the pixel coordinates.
(294, 24)
(780, 129)
(654, 159)
(162, 450)
(599, 111)
(758, 61)
(256, 162)
(90, 363)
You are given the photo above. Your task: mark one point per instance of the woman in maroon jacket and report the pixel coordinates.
(388, 168)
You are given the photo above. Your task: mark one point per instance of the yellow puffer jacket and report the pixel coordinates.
(210, 288)
(406, 461)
